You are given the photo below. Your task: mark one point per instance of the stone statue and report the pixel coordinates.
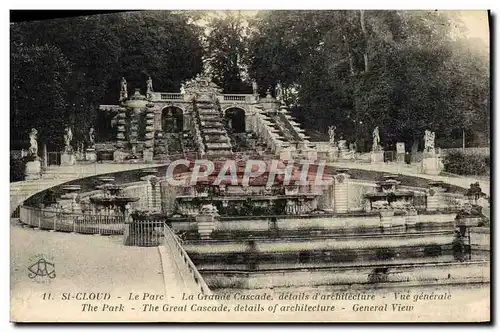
(33, 150)
(279, 91)
(149, 85)
(123, 85)
(91, 137)
(429, 138)
(123, 89)
(376, 139)
(255, 88)
(68, 137)
(331, 134)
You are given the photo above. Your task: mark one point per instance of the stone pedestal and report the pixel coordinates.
(411, 218)
(377, 157)
(68, 159)
(147, 156)
(434, 197)
(341, 190)
(206, 225)
(90, 155)
(431, 165)
(333, 154)
(386, 218)
(119, 155)
(33, 170)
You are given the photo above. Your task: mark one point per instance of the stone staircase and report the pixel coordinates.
(211, 126)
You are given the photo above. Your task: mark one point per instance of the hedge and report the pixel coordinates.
(460, 163)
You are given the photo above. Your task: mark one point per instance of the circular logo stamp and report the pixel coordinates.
(340, 179)
(41, 268)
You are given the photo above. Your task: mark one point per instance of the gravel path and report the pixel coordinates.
(83, 263)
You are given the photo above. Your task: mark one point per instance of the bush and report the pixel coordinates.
(460, 163)
(16, 170)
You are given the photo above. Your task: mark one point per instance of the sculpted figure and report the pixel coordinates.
(68, 137)
(149, 85)
(429, 138)
(33, 150)
(92, 136)
(123, 89)
(331, 134)
(376, 139)
(123, 85)
(255, 87)
(279, 91)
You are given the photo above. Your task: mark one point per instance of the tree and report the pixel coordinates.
(224, 52)
(100, 49)
(39, 79)
(400, 70)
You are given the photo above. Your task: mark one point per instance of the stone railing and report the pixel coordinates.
(52, 219)
(171, 96)
(160, 96)
(192, 278)
(232, 98)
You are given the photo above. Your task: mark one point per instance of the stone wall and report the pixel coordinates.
(403, 275)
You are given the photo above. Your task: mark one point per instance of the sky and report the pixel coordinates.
(476, 22)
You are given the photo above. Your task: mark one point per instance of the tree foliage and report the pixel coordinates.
(100, 49)
(225, 51)
(404, 71)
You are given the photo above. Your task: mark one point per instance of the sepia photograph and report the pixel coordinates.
(250, 166)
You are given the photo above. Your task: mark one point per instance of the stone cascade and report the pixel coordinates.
(149, 136)
(268, 134)
(211, 129)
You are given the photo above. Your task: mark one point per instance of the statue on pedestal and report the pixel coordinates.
(279, 91)
(123, 89)
(149, 86)
(255, 88)
(91, 137)
(429, 138)
(68, 137)
(331, 134)
(33, 150)
(376, 139)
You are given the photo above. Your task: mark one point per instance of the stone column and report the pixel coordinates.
(119, 154)
(206, 224)
(147, 153)
(341, 192)
(153, 189)
(134, 129)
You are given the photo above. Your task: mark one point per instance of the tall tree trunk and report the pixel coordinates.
(363, 28)
(349, 56)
